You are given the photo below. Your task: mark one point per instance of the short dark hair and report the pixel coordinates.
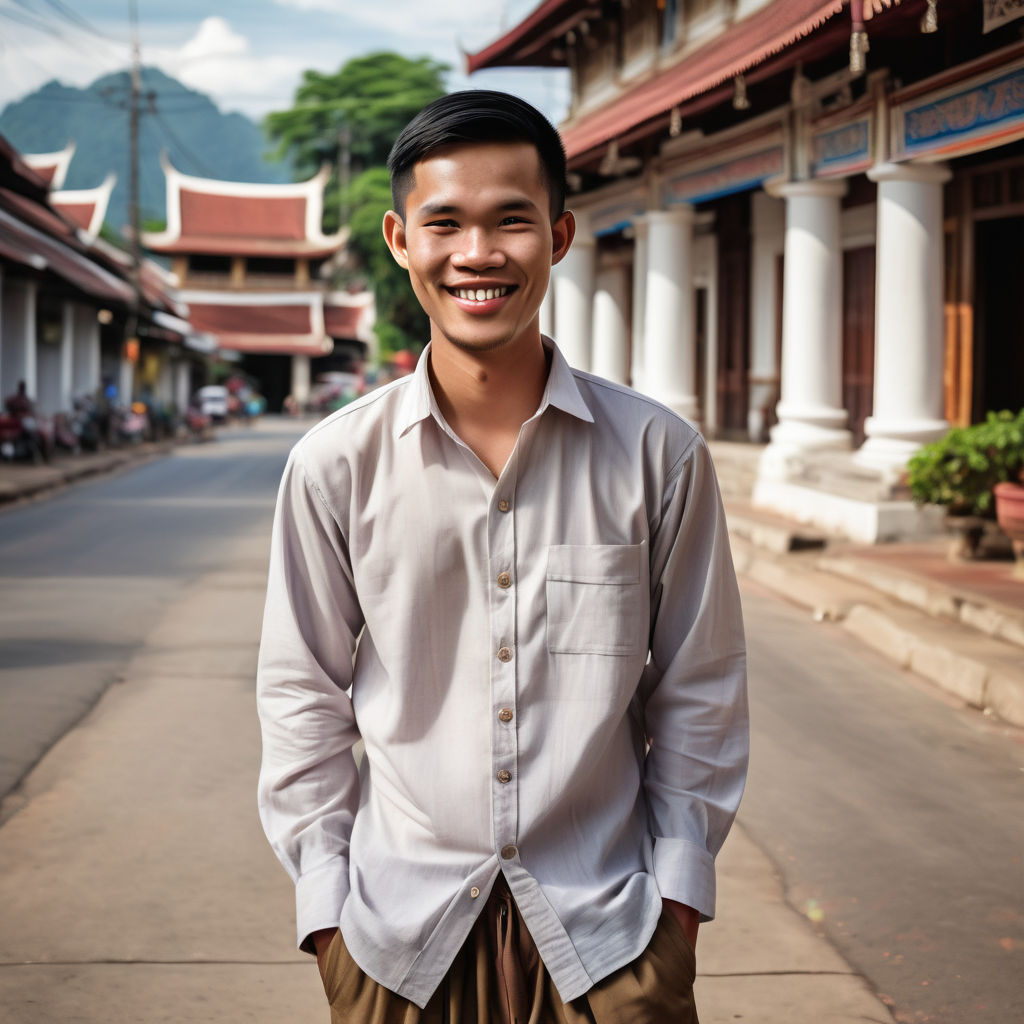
(476, 115)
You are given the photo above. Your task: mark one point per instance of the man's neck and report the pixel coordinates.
(487, 396)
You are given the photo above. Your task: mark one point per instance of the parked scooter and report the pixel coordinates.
(128, 424)
(20, 439)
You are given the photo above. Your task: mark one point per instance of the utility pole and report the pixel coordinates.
(130, 354)
(133, 139)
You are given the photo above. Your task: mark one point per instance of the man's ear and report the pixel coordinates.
(563, 231)
(394, 235)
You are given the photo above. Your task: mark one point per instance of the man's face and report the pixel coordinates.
(479, 243)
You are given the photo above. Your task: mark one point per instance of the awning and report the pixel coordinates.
(35, 249)
(746, 44)
(524, 44)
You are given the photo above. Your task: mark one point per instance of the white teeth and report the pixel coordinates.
(480, 294)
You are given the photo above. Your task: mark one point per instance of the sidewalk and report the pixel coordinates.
(137, 886)
(958, 624)
(21, 480)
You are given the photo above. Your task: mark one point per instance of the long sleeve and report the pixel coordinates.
(309, 787)
(694, 686)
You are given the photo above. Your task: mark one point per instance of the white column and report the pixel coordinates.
(907, 409)
(669, 337)
(300, 380)
(810, 411)
(182, 380)
(69, 326)
(85, 372)
(768, 216)
(18, 312)
(547, 311)
(574, 298)
(611, 335)
(636, 370)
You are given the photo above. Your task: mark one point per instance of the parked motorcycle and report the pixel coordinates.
(20, 439)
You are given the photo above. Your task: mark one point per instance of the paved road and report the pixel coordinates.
(895, 819)
(84, 575)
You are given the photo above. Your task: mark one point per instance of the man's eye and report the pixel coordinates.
(441, 224)
(514, 220)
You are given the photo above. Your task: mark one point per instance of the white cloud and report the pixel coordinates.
(219, 61)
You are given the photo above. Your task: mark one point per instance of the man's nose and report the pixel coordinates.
(479, 248)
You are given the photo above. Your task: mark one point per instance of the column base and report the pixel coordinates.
(814, 431)
(891, 442)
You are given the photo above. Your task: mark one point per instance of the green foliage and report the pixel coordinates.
(401, 322)
(960, 470)
(369, 100)
(362, 107)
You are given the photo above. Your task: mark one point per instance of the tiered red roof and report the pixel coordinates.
(230, 218)
(52, 167)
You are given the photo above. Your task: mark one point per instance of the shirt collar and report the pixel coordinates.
(561, 391)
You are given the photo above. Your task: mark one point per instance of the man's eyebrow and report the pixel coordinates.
(439, 209)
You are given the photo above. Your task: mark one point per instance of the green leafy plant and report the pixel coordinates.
(960, 469)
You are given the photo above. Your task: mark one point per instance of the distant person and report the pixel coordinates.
(18, 403)
(512, 581)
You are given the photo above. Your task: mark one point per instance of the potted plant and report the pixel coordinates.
(1010, 515)
(960, 471)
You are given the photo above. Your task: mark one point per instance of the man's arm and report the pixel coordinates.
(308, 789)
(694, 688)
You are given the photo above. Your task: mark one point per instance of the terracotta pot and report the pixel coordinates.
(1010, 515)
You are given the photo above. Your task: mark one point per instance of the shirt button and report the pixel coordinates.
(504, 776)
(474, 892)
(504, 580)
(503, 505)
(504, 654)
(505, 714)
(508, 852)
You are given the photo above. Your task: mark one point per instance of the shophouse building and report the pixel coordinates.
(141, 346)
(252, 264)
(799, 222)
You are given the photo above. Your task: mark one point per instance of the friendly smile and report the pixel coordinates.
(481, 294)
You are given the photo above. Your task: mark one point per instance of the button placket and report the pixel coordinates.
(502, 602)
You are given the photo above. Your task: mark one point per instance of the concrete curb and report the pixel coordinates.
(913, 622)
(22, 482)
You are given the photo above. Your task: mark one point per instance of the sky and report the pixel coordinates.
(249, 55)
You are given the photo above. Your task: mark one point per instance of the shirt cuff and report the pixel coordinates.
(685, 873)
(319, 897)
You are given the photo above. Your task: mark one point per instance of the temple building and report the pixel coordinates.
(249, 260)
(799, 222)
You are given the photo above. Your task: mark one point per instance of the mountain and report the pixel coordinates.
(199, 138)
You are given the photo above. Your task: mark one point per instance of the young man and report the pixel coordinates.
(512, 581)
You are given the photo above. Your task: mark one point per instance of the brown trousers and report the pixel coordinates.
(498, 978)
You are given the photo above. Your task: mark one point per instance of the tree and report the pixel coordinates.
(361, 108)
(352, 117)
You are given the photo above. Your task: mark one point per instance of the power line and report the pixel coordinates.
(173, 137)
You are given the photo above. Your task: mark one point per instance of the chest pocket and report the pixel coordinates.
(595, 599)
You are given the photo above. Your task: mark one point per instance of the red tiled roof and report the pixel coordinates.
(525, 43)
(79, 213)
(34, 248)
(234, 245)
(255, 319)
(204, 214)
(741, 47)
(47, 172)
(343, 321)
(283, 329)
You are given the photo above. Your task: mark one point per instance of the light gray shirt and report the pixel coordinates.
(547, 671)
